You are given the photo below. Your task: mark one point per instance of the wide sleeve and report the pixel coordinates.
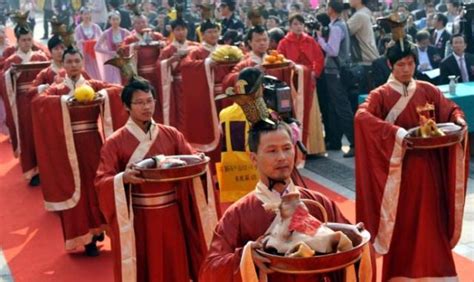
(101, 45)
(318, 62)
(104, 180)
(222, 262)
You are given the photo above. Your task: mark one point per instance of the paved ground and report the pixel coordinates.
(337, 173)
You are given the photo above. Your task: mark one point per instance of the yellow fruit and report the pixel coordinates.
(84, 93)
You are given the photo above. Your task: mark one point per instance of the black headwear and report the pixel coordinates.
(54, 41)
(208, 24)
(399, 50)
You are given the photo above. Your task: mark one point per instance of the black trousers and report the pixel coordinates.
(48, 14)
(339, 112)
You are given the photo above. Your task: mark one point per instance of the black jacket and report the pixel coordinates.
(449, 66)
(381, 71)
(441, 44)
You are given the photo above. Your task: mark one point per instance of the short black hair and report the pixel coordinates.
(256, 29)
(422, 35)
(458, 35)
(263, 127)
(441, 17)
(54, 41)
(179, 22)
(21, 30)
(276, 34)
(396, 52)
(297, 17)
(296, 6)
(135, 84)
(337, 6)
(72, 51)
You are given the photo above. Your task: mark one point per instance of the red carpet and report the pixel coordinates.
(31, 238)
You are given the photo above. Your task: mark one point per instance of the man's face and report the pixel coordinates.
(297, 27)
(180, 33)
(73, 64)
(25, 42)
(271, 23)
(57, 53)
(225, 11)
(438, 23)
(259, 43)
(142, 106)
(404, 69)
(139, 24)
(275, 155)
(423, 44)
(459, 45)
(210, 36)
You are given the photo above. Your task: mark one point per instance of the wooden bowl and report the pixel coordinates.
(454, 134)
(227, 62)
(73, 103)
(195, 167)
(31, 66)
(276, 66)
(327, 262)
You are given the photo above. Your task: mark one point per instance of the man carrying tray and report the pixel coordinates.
(160, 231)
(411, 200)
(232, 254)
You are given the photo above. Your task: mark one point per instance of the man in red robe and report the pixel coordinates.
(145, 45)
(55, 72)
(159, 231)
(202, 80)
(15, 91)
(239, 231)
(68, 145)
(411, 200)
(169, 70)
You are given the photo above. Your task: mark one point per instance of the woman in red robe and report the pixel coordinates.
(411, 201)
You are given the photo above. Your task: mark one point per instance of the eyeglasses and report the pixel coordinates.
(144, 103)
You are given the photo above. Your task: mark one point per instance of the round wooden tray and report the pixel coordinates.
(227, 63)
(31, 66)
(454, 134)
(195, 167)
(73, 103)
(327, 262)
(276, 66)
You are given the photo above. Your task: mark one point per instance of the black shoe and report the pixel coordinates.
(99, 238)
(91, 249)
(349, 154)
(35, 181)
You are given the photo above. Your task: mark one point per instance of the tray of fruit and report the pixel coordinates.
(227, 55)
(85, 96)
(433, 135)
(162, 168)
(31, 66)
(275, 60)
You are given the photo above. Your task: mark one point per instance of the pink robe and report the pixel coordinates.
(108, 48)
(87, 46)
(411, 201)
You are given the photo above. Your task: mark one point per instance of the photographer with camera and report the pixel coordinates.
(338, 115)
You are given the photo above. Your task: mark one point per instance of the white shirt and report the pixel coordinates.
(438, 34)
(424, 59)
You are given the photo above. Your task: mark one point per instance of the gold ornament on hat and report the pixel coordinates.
(62, 30)
(397, 25)
(20, 19)
(123, 63)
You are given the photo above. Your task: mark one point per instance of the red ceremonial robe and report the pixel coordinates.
(160, 231)
(68, 146)
(246, 220)
(201, 83)
(37, 46)
(411, 201)
(171, 83)
(15, 91)
(46, 77)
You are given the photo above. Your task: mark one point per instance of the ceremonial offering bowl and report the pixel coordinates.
(323, 263)
(453, 134)
(31, 66)
(227, 62)
(73, 103)
(195, 166)
(276, 66)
